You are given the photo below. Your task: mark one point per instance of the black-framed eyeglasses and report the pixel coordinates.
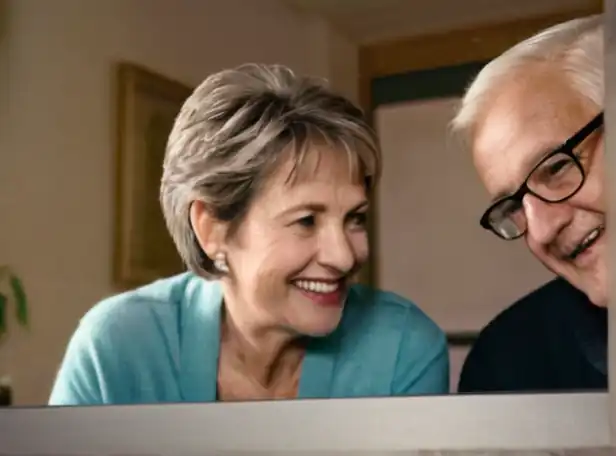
(556, 178)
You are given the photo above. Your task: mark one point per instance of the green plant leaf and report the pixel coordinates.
(20, 301)
(3, 302)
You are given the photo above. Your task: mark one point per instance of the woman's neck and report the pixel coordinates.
(264, 352)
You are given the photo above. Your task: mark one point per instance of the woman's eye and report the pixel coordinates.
(308, 221)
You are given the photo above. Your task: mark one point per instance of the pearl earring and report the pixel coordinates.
(220, 262)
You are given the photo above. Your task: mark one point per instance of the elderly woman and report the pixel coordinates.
(265, 193)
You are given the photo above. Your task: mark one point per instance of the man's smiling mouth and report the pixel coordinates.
(586, 243)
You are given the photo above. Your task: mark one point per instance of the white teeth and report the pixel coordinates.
(591, 236)
(317, 287)
(587, 241)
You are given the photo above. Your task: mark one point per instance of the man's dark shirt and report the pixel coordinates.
(553, 339)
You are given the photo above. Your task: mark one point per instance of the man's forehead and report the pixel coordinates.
(518, 128)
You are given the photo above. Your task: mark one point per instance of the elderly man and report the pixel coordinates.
(533, 119)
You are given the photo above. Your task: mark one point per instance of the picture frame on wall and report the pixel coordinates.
(146, 106)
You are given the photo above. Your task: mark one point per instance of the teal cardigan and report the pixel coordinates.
(160, 343)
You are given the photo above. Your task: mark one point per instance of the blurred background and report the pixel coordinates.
(81, 141)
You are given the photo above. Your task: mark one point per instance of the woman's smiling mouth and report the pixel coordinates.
(323, 292)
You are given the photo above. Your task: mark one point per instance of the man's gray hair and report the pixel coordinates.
(575, 48)
(231, 133)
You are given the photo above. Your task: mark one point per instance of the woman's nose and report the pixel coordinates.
(336, 251)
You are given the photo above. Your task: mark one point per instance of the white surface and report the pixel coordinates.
(430, 246)
(319, 428)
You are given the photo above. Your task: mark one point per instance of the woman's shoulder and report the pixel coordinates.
(390, 341)
(386, 304)
(161, 301)
(388, 311)
(131, 337)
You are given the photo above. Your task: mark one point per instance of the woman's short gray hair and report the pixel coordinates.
(230, 133)
(576, 49)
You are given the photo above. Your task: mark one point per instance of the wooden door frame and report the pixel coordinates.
(410, 54)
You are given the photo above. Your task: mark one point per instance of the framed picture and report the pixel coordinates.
(147, 104)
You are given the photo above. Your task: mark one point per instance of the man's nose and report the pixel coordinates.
(545, 220)
(336, 250)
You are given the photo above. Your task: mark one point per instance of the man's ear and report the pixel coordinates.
(209, 231)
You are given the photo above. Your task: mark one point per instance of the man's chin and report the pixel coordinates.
(593, 283)
(597, 292)
(599, 299)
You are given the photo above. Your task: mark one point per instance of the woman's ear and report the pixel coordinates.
(209, 231)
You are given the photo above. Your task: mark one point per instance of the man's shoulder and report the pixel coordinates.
(542, 307)
(532, 345)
